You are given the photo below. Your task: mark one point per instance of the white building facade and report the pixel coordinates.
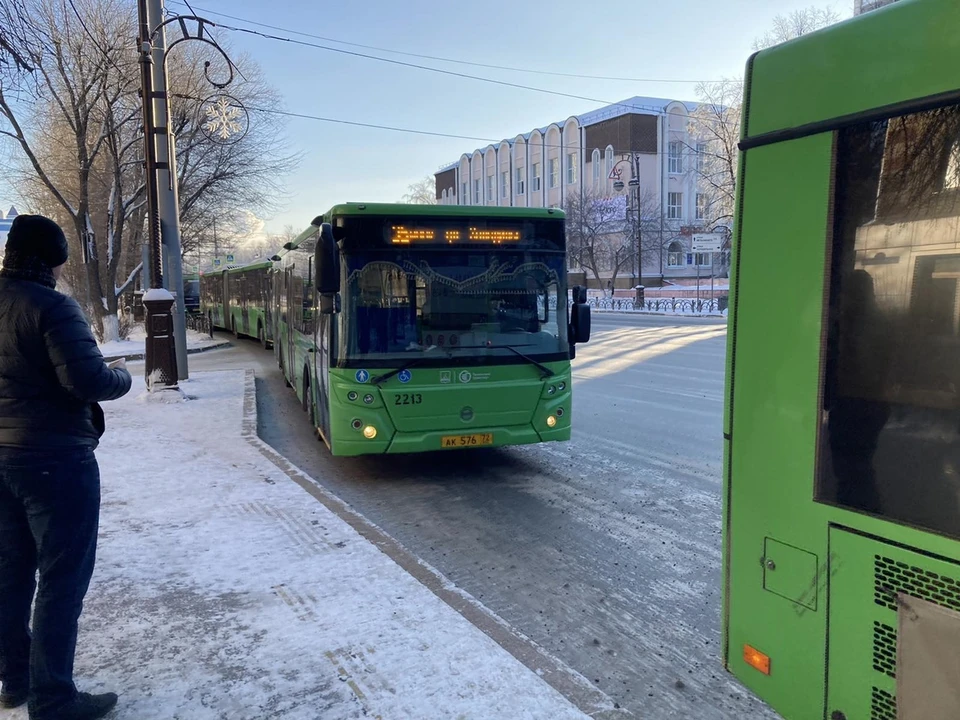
(593, 156)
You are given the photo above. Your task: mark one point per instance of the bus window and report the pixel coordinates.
(891, 397)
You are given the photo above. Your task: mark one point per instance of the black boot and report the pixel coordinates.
(88, 707)
(13, 697)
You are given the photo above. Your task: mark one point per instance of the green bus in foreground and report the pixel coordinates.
(411, 328)
(842, 420)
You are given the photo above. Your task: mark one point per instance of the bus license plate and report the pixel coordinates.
(463, 441)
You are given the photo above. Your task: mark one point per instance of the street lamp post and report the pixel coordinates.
(634, 182)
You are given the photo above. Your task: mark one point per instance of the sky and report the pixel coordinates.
(681, 40)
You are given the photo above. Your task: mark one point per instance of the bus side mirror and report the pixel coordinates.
(580, 323)
(327, 262)
(579, 295)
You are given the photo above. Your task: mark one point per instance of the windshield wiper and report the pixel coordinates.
(545, 372)
(406, 366)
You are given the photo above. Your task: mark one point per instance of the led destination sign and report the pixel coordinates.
(406, 235)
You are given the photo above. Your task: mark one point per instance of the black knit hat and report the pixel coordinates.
(32, 238)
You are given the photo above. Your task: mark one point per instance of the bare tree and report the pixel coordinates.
(797, 23)
(422, 192)
(66, 106)
(716, 121)
(596, 233)
(68, 103)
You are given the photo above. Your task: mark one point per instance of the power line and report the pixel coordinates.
(437, 57)
(96, 43)
(628, 106)
(414, 131)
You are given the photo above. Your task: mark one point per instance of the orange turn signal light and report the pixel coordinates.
(756, 659)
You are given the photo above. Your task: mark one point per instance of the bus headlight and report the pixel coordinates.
(369, 432)
(356, 424)
(552, 390)
(561, 386)
(551, 421)
(368, 399)
(352, 395)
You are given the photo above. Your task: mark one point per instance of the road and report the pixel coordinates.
(604, 550)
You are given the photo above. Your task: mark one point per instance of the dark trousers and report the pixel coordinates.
(49, 517)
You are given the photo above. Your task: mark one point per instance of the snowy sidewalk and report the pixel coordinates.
(134, 346)
(225, 591)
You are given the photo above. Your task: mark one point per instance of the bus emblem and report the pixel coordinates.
(404, 376)
(465, 376)
(446, 376)
(362, 376)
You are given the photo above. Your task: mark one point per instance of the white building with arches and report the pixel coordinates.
(576, 157)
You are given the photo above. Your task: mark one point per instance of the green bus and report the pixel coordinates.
(411, 328)
(842, 419)
(238, 299)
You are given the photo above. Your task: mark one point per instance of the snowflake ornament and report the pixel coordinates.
(225, 119)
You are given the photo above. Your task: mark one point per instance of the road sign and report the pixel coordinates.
(216, 262)
(707, 242)
(229, 259)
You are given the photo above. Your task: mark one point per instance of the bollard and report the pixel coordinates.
(161, 356)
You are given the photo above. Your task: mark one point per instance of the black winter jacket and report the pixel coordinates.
(52, 374)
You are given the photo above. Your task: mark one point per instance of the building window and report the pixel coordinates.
(519, 181)
(595, 161)
(675, 255)
(491, 188)
(505, 184)
(701, 156)
(572, 163)
(675, 162)
(703, 259)
(535, 176)
(443, 197)
(675, 206)
(701, 206)
(608, 159)
(476, 191)
(464, 193)
(554, 172)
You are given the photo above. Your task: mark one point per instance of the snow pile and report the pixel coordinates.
(223, 590)
(136, 343)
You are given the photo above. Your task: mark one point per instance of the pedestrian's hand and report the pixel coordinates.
(119, 363)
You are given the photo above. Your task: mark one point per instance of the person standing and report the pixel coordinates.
(52, 377)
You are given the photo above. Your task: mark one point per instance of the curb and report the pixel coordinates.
(573, 686)
(712, 316)
(190, 351)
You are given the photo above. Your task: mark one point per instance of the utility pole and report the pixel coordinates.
(168, 202)
(160, 370)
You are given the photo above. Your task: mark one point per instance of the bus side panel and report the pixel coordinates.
(777, 537)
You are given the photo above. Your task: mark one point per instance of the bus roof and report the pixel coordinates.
(869, 65)
(411, 210)
(252, 266)
(404, 209)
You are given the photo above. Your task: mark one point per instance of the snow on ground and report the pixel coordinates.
(224, 591)
(135, 343)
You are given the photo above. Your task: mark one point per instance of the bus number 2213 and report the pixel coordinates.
(408, 399)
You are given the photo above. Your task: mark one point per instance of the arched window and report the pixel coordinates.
(608, 159)
(443, 197)
(595, 160)
(675, 254)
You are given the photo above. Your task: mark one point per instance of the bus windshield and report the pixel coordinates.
(471, 303)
